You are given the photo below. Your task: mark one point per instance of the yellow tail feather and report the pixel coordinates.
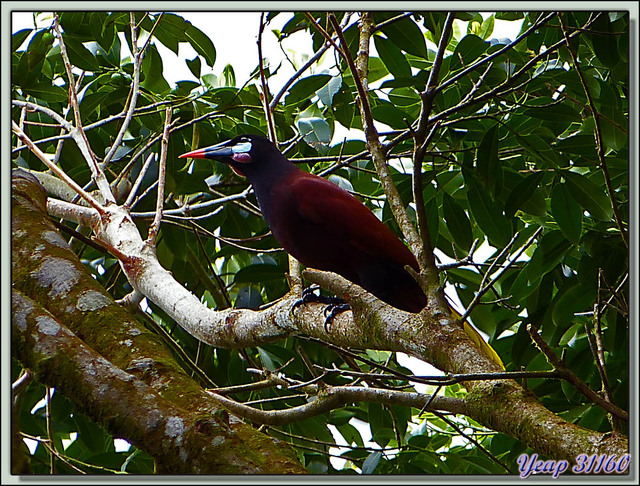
(475, 336)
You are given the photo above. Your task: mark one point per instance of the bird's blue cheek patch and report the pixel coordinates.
(243, 158)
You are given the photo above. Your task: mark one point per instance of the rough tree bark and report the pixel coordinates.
(76, 338)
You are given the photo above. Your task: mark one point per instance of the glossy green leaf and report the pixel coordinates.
(47, 92)
(315, 130)
(201, 44)
(575, 299)
(488, 215)
(152, 70)
(567, 212)
(79, 55)
(258, 273)
(549, 252)
(328, 91)
(194, 66)
(589, 195)
(404, 97)
(306, 88)
(371, 462)
(169, 29)
(468, 50)
(390, 115)
(457, 222)
(18, 38)
(522, 192)
(488, 161)
(228, 76)
(392, 57)
(406, 35)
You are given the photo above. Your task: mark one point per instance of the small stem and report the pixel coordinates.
(57, 170)
(155, 225)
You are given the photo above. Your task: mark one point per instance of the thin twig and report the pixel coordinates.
(138, 55)
(478, 445)
(572, 378)
(136, 185)
(485, 288)
(56, 169)
(78, 134)
(155, 225)
(600, 147)
(265, 87)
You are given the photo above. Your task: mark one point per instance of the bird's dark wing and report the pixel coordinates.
(335, 217)
(325, 227)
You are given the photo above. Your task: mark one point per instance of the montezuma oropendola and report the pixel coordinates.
(323, 226)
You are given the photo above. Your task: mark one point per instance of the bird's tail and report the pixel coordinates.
(475, 336)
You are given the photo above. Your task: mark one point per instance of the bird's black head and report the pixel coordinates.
(246, 154)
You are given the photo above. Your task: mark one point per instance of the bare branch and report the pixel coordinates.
(333, 397)
(572, 378)
(485, 287)
(155, 225)
(57, 170)
(268, 113)
(598, 134)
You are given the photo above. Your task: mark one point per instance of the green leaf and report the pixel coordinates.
(509, 16)
(469, 49)
(315, 130)
(457, 222)
(552, 248)
(327, 92)
(377, 70)
(18, 38)
(404, 97)
(371, 462)
(259, 272)
(306, 88)
(390, 115)
(567, 213)
(153, 72)
(228, 76)
(522, 192)
(79, 55)
(408, 36)
(577, 144)
(558, 112)
(170, 29)
(489, 216)
(488, 161)
(392, 57)
(201, 44)
(47, 92)
(589, 195)
(575, 299)
(194, 66)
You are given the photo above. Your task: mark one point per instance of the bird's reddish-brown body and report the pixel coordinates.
(325, 227)
(322, 225)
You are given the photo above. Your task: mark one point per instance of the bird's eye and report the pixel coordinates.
(242, 148)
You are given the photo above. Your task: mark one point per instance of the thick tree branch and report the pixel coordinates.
(183, 442)
(47, 271)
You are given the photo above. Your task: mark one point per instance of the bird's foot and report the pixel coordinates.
(335, 305)
(332, 310)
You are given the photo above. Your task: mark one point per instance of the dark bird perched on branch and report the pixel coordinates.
(322, 225)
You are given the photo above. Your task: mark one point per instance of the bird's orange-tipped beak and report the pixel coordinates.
(194, 154)
(213, 152)
(238, 152)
